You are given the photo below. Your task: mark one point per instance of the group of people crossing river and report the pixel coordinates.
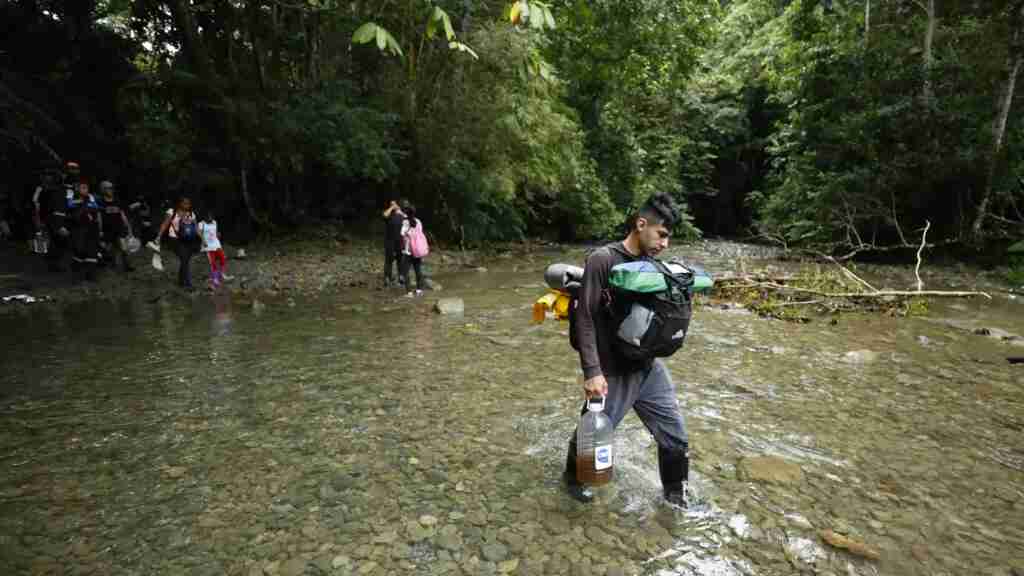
(104, 229)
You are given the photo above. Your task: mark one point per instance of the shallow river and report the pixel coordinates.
(367, 435)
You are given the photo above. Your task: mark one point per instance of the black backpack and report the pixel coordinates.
(655, 322)
(652, 323)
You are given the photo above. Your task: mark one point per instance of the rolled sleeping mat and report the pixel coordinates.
(702, 280)
(563, 276)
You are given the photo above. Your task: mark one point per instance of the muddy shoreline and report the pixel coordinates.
(308, 267)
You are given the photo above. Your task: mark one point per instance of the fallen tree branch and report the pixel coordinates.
(917, 269)
(875, 294)
(753, 278)
(800, 303)
(848, 273)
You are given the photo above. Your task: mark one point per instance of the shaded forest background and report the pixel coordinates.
(842, 125)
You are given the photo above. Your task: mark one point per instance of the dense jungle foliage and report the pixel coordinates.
(842, 125)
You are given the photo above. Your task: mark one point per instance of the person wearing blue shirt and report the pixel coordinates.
(84, 217)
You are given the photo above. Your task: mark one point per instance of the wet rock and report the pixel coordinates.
(919, 552)
(433, 285)
(860, 357)
(802, 551)
(740, 526)
(450, 539)
(494, 552)
(799, 521)
(596, 535)
(437, 476)
(175, 471)
(450, 306)
(515, 542)
(400, 550)
(508, 565)
(341, 561)
(769, 469)
(853, 546)
(428, 520)
(923, 340)
(415, 532)
(293, 567)
(477, 517)
(323, 563)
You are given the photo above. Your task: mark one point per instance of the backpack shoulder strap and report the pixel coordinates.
(681, 284)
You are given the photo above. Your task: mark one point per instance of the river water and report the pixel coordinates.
(363, 434)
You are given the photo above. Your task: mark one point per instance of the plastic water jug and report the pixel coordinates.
(41, 243)
(594, 460)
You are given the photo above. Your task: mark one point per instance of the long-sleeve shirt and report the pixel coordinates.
(594, 331)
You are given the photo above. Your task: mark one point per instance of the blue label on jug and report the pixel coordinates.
(603, 457)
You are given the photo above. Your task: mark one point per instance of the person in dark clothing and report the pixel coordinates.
(644, 386)
(141, 219)
(50, 216)
(84, 213)
(115, 225)
(393, 218)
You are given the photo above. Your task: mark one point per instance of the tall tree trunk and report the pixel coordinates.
(253, 32)
(867, 23)
(191, 43)
(1014, 62)
(929, 36)
(243, 170)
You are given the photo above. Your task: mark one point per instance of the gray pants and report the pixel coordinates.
(653, 396)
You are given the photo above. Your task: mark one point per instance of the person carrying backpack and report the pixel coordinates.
(643, 384)
(182, 228)
(414, 250)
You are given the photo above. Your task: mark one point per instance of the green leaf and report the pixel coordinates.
(364, 33)
(537, 18)
(1017, 248)
(549, 18)
(393, 45)
(448, 26)
(382, 38)
(463, 48)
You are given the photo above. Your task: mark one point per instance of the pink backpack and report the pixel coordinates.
(418, 246)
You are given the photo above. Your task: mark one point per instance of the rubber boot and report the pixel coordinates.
(674, 469)
(577, 491)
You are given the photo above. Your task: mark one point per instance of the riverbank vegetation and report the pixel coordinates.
(842, 125)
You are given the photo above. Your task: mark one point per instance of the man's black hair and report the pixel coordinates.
(659, 209)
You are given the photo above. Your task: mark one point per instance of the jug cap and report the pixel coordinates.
(592, 404)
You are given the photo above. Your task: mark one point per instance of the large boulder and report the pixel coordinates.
(769, 469)
(450, 306)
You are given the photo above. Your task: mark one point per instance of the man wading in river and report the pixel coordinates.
(644, 386)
